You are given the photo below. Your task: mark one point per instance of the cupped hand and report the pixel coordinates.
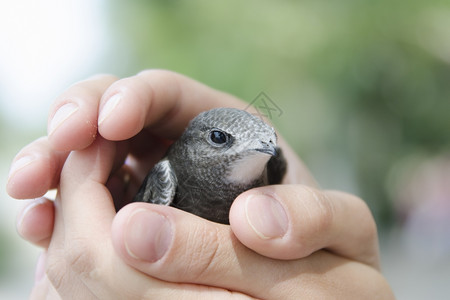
(80, 262)
(185, 256)
(145, 112)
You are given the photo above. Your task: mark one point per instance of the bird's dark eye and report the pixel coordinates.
(218, 137)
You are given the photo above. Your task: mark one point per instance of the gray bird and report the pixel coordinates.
(222, 153)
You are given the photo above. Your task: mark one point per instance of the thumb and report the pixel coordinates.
(293, 221)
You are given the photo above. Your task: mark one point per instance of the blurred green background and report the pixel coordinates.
(364, 87)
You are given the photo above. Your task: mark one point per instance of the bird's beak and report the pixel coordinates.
(267, 148)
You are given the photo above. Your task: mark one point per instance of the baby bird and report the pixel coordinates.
(222, 153)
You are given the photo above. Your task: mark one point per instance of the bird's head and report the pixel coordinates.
(232, 139)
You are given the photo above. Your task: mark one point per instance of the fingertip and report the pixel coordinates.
(35, 221)
(277, 221)
(122, 109)
(317, 219)
(72, 125)
(260, 222)
(141, 233)
(62, 113)
(15, 172)
(30, 176)
(118, 228)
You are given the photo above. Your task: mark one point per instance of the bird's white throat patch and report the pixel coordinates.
(248, 168)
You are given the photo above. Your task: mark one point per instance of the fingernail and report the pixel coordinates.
(30, 206)
(21, 163)
(62, 114)
(266, 216)
(108, 107)
(148, 235)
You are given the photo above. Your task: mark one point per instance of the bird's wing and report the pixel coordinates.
(159, 186)
(276, 167)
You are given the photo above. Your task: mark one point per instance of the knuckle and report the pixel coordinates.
(368, 222)
(322, 210)
(81, 257)
(75, 259)
(363, 217)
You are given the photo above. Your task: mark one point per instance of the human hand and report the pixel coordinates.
(330, 216)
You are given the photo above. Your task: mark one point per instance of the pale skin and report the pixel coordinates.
(321, 244)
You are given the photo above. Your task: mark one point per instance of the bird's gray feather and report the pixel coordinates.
(159, 186)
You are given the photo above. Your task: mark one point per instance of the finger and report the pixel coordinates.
(72, 122)
(82, 187)
(297, 172)
(293, 221)
(35, 170)
(175, 246)
(37, 167)
(163, 100)
(81, 260)
(35, 221)
(83, 214)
